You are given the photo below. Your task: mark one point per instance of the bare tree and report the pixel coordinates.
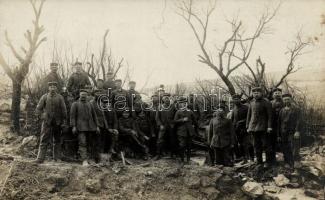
(18, 73)
(258, 76)
(225, 65)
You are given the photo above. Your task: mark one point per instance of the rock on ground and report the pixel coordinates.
(253, 189)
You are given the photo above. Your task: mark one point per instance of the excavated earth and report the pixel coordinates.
(165, 179)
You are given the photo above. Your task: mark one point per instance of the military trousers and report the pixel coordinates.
(107, 140)
(222, 156)
(185, 144)
(88, 143)
(261, 144)
(50, 133)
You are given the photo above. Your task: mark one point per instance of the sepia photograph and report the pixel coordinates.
(162, 99)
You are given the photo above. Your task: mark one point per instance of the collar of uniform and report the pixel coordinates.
(52, 94)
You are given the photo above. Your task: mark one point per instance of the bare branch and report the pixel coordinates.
(9, 43)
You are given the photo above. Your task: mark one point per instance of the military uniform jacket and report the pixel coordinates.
(131, 95)
(53, 77)
(145, 126)
(99, 113)
(83, 116)
(165, 117)
(111, 119)
(289, 121)
(276, 107)
(119, 98)
(259, 116)
(239, 117)
(77, 81)
(185, 128)
(109, 86)
(52, 107)
(126, 125)
(221, 133)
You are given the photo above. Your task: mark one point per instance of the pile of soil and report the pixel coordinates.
(163, 179)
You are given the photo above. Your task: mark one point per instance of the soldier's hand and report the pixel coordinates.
(269, 130)
(161, 127)
(146, 137)
(279, 139)
(115, 132)
(74, 130)
(97, 130)
(185, 119)
(296, 135)
(134, 132)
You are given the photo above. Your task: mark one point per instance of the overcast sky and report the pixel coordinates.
(154, 40)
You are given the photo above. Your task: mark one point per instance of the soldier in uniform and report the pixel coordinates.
(48, 108)
(221, 137)
(277, 105)
(112, 127)
(194, 106)
(259, 124)
(144, 125)
(78, 80)
(152, 109)
(289, 129)
(83, 120)
(130, 134)
(132, 93)
(53, 76)
(102, 122)
(238, 118)
(100, 84)
(186, 128)
(165, 119)
(119, 98)
(109, 84)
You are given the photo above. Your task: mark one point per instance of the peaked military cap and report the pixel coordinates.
(77, 63)
(99, 92)
(52, 83)
(132, 82)
(236, 96)
(166, 94)
(256, 88)
(182, 99)
(83, 90)
(118, 80)
(277, 90)
(287, 95)
(126, 109)
(54, 64)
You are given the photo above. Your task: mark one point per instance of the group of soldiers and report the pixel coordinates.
(106, 119)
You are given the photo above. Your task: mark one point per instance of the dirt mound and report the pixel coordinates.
(160, 180)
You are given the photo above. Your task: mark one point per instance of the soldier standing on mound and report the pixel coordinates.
(48, 108)
(84, 123)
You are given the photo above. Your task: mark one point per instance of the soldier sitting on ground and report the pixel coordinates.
(145, 127)
(131, 136)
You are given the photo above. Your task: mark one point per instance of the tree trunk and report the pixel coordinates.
(15, 105)
(228, 83)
